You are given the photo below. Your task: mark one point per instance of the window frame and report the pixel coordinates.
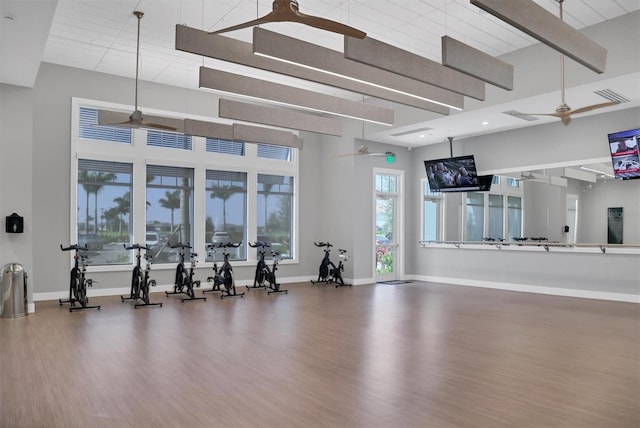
(198, 158)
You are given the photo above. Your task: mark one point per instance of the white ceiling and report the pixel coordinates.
(100, 35)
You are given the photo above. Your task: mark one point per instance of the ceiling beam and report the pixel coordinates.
(238, 52)
(466, 59)
(317, 58)
(284, 118)
(236, 84)
(380, 55)
(544, 26)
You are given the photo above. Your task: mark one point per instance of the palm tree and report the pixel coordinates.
(123, 206)
(224, 193)
(172, 202)
(93, 182)
(266, 191)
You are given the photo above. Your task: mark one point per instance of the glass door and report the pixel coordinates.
(387, 227)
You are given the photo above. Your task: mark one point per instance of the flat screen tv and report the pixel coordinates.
(624, 154)
(455, 174)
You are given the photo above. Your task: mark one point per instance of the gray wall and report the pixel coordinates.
(16, 178)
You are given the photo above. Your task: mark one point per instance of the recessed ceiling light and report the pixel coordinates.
(485, 123)
(422, 136)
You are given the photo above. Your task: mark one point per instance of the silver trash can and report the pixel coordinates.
(13, 289)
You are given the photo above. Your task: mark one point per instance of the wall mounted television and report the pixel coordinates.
(456, 174)
(623, 146)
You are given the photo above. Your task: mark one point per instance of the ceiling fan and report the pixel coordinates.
(564, 112)
(364, 150)
(136, 120)
(287, 11)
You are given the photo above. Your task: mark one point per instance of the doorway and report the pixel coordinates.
(387, 225)
(572, 219)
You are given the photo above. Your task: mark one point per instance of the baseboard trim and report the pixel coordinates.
(566, 292)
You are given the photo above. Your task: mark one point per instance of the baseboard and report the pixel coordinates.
(566, 292)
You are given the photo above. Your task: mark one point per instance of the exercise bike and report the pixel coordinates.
(78, 282)
(266, 277)
(222, 278)
(328, 272)
(140, 281)
(184, 282)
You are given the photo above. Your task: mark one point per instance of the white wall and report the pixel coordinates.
(16, 178)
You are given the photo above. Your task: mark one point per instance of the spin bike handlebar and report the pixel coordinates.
(225, 245)
(181, 246)
(323, 244)
(262, 244)
(136, 247)
(75, 247)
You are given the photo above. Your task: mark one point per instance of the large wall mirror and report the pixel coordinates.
(571, 204)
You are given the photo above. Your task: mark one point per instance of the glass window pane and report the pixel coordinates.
(226, 210)
(496, 217)
(88, 128)
(104, 210)
(475, 216)
(512, 182)
(274, 152)
(217, 145)
(275, 212)
(169, 140)
(514, 217)
(430, 221)
(386, 183)
(169, 209)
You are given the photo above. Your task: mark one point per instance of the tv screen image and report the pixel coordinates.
(625, 156)
(455, 174)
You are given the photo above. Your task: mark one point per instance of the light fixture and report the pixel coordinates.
(238, 52)
(544, 26)
(485, 123)
(279, 47)
(381, 55)
(238, 85)
(471, 61)
(597, 171)
(241, 132)
(284, 118)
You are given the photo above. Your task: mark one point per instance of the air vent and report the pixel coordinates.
(520, 115)
(411, 131)
(612, 96)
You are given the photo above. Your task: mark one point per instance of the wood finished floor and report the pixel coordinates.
(411, 355)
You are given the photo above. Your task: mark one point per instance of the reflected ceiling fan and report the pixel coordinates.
(136, 120)
(364, 150)
(288, 11)
(564, 112)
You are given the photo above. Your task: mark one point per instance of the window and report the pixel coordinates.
(228, 147)
(88, 128)
(169, 208)
(431, 213)
(275, 212)
(386, 183)
(163, 188)
(496, 217)
(104, 208)
(169, 140)
(274, 152)
(475, 216)
(514, 219)
(226, 210)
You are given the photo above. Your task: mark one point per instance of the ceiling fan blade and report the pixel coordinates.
(592, 107)
(158, 126)
(328, 25)
(270, 17)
